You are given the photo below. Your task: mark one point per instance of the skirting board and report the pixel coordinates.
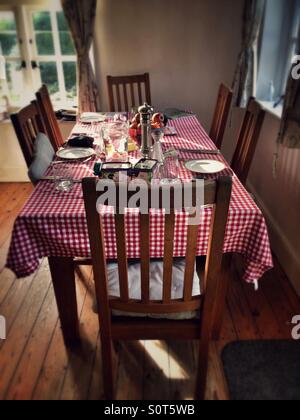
(287, 256)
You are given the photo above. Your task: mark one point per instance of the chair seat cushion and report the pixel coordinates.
(156, 286)
(43, 156)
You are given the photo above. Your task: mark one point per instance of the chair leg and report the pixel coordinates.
(108, 368)
(202, 370)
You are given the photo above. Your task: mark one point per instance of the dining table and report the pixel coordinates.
(53, 224)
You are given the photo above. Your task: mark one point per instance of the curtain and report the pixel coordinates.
(246, 71)
(80, 16)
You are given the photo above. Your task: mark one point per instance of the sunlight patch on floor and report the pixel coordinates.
(158, 352)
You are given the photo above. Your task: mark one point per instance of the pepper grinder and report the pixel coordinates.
(146, 112)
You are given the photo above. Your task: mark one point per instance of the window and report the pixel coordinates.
(277, 49)
(38, 48)
(54, 56)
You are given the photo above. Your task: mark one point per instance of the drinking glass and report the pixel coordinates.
(169, 170)
(63, 177)
(115, 137)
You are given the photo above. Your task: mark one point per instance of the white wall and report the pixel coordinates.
(187, 46)
(12, 164)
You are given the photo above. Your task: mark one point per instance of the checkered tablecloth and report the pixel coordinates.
(54, 224)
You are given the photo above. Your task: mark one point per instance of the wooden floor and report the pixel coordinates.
(34, 363)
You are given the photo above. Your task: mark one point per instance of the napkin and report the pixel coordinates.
(174, 113)
(81, 141)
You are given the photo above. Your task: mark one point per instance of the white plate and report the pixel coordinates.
(205, 166)
(91, 117)
(75, 153)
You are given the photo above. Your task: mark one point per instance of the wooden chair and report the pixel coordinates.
(49, 117)
(217, 194)
(27, 124)
(221, 115)
(248, 139)
(121, 85)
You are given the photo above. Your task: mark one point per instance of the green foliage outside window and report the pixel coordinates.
(42, 21)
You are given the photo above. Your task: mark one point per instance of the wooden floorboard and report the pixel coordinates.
(49, 384)
(34, 363)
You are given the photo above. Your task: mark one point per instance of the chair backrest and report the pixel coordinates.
(27, 124)
(221, 115)
(216, 193)
(248, 139)
(49, 117)
(126, 92)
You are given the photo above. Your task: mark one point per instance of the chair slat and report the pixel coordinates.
(168, 256)
(140, 93)
(145, 257)
(125, 95)
(132, 94)
(147, 88)
(118, 98)
(122, 256)
(190, 260)
(217, 233)
(111, 94)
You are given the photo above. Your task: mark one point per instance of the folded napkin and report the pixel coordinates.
(81, 141)
(174, 113)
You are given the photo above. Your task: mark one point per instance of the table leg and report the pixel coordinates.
(63, 279)
(221, 296)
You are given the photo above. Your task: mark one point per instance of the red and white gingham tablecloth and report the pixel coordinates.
(53, 223)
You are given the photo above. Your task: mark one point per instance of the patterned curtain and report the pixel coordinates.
(81, 18)
(245, 75)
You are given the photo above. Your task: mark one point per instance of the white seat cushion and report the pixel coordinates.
(156, 286)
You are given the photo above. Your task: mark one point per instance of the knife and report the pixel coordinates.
(52, 178)
(201, 151)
